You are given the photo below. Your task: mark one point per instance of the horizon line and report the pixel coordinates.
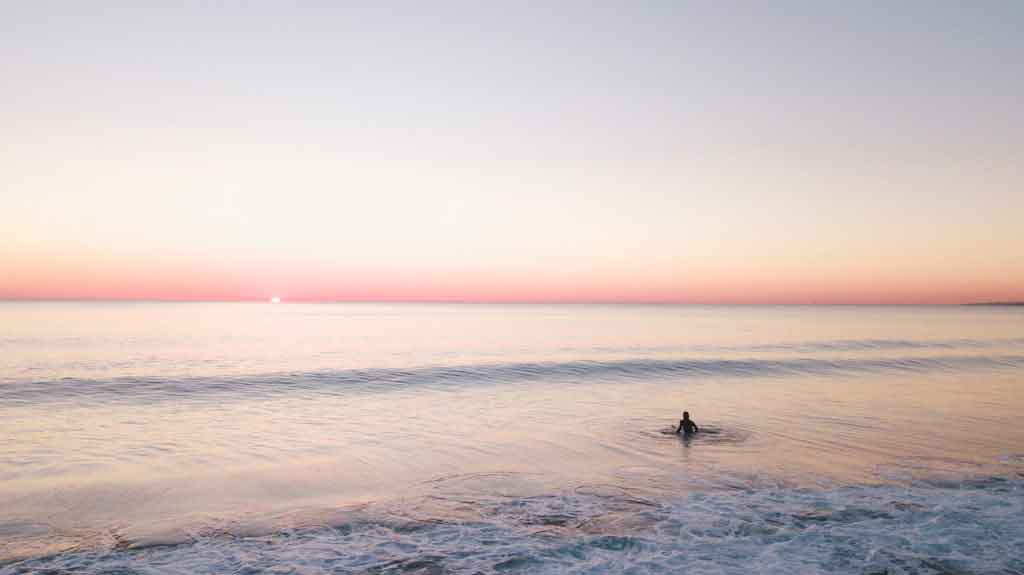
(498, 302)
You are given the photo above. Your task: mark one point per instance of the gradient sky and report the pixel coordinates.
(790, 152)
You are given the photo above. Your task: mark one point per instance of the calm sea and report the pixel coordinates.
(404, 438)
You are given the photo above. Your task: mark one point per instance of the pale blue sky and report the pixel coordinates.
(662, 142)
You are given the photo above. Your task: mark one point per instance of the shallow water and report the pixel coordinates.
(146, 437)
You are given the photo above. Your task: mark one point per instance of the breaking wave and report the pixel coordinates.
(970, 527)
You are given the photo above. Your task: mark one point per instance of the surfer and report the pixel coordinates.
(686, 425)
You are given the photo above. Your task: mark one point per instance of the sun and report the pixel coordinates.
(275, 299)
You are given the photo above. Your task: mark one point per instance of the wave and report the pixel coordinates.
(378, 380)
(880, 345)
(866, 344)
(969, 527)
(838, 345)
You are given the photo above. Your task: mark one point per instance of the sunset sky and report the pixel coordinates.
(705, 152)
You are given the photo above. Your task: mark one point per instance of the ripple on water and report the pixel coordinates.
(708, 435)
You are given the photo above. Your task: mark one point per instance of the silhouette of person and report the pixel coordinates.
(686, 425)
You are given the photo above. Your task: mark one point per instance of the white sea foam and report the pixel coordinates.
(971, 527)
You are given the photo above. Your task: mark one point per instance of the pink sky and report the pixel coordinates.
(189, 281)
(676, 152)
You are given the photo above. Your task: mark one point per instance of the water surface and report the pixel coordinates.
(509, 438)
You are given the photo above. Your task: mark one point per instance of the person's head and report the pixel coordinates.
(686, 415)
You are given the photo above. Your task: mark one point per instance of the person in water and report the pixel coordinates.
(686, 425)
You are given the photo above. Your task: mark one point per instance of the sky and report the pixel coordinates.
(694, 152)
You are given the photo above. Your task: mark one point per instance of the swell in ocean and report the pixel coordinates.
(377, 380)
(382, 380)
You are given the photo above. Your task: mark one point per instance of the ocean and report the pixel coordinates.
(469, 438)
